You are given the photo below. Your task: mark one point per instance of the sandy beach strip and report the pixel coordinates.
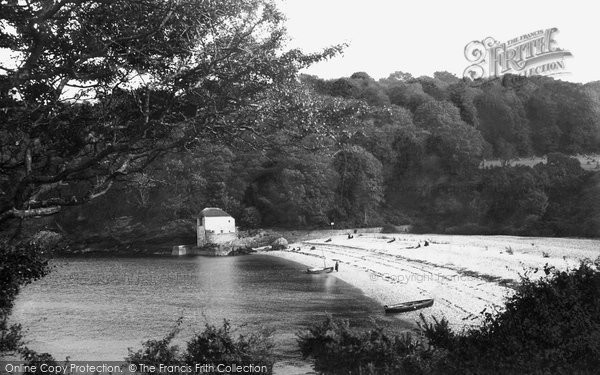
(464, 274)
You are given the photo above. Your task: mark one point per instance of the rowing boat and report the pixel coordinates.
(408, 306)
(316, 270)
(324, 269)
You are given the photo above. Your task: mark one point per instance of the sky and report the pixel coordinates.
(424, 36)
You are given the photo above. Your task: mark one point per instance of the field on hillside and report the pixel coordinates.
(464, 274)
(588, 162)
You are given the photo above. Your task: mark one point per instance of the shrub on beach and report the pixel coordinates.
(279, 244)
(550, 325)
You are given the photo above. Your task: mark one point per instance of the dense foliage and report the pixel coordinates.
(191, 104)
(401, 150)
(551, 325)
(213, 347)
(20, 264)
(517, 116)
(338, 349)
(89, 99)
(93, 92)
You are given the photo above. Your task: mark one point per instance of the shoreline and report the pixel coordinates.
(370, 284)
(464, 274)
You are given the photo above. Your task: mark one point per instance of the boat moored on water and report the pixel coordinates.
(408, 306)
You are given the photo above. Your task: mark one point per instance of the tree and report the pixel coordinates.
(20, 265)
(503, 122)
(463, 97)
(435, 87)
(589, 207)
(565, 117)
(409, 95)
(182, 183)
(343, 87)
(513, 194)
(436, 114)
(380, 129)
(396, 77)
(359, 190)
(97, 90)
(545, 134)
(446, 77)
(459, 146)
(91, 98)
(297, 191)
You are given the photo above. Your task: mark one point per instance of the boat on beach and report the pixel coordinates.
(324, 269)
(315, 270)
(408, 306)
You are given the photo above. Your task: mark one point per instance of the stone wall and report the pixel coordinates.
(200, 234)
(218, 251)
(181, 250)
(220, 238)
(212, 251)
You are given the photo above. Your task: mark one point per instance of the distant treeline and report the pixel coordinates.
(516, 116)
(400, 150)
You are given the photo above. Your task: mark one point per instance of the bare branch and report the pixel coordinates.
(23, 214)
(101, 192)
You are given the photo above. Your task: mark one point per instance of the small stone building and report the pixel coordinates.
(215, 226)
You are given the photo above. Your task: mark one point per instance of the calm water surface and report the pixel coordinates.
(95, 308)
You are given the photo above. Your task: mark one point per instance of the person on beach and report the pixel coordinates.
(336, 266)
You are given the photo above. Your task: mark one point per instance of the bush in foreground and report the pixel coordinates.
(21, 263)
(551, 325)
(338, 349)
(213, 346)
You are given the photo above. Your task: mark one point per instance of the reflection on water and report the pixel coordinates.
(95, 308)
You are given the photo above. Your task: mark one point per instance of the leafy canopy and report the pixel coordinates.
(97, 90)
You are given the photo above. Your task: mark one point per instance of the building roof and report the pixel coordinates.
(213, 212)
